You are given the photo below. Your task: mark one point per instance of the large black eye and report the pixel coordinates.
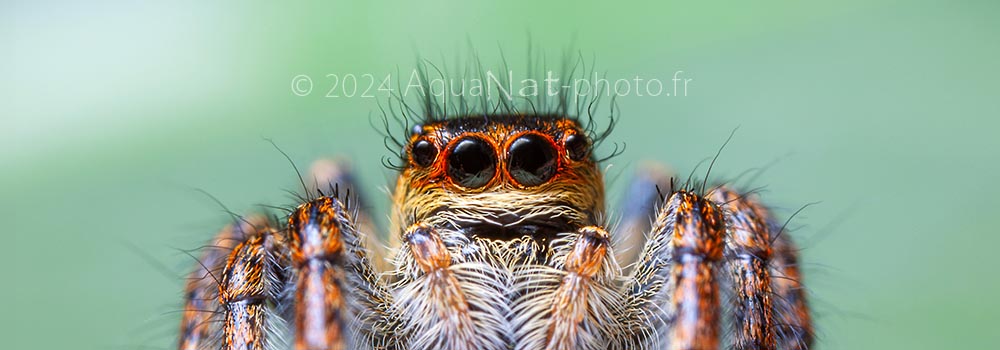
(472, 162)
(423, 152)
(531, 160)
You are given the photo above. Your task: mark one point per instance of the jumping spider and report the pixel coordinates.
(499, 241)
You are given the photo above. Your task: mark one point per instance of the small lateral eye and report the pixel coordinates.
(531, 160)
(423, 152)
(577, 146)
(472, 162)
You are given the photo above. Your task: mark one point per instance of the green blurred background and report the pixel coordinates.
(885, 111)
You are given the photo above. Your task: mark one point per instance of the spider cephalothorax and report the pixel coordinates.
(500, 241)
(512, 178)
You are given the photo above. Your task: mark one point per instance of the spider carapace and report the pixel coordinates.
(499, 240)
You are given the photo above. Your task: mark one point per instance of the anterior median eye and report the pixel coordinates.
(531, 160)
(472, 162)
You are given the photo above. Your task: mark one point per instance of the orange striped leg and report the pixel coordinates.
(697, 239)
(674, 289)
(249, 281)
(316, 244)
(348, 217)
(795, 331)
(201, 292)
(336, 176)
(748, 258)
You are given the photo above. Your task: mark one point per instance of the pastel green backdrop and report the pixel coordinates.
(885, 111)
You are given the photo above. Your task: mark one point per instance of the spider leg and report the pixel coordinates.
(677, 269)
(335, 283)
(330, 175)
(794, 322)
(201, 292)
(748, 255)
(316, 248)
(252, 277)
(639, 205)
(365, 251)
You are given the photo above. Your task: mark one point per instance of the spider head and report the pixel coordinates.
(500, 177)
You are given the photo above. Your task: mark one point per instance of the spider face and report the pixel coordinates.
(500, 178)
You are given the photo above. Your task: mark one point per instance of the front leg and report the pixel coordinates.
(346, 259)
(673, 292)
(335, 283)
